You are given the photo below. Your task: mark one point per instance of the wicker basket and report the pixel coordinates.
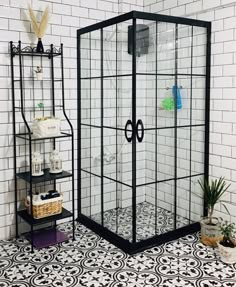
(44, 208)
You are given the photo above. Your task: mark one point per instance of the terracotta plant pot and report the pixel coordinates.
(210, 233)
(227, 254)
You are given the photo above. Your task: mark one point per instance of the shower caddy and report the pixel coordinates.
(40, 237)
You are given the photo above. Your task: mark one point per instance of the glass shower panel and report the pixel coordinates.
(164, 202)
(165, 159)
(124, 101)
(146, 101)
(196, 199)
(199, 50)
(145, 213)
(118, 209)
(124, 159)
(145, 47)
(184, 101)
(145, 159)
(117, 112)
(95, 102)
(110, 102)
(95, 53)
(96, 198)
(182, 202)
(198, 150)
(91, 196)
(95, 147)
(155, 101)
(85, 194)
(110, 144)
(110, 204)
(183, 152)
(184, 51)
(166, 48)
(198, 100)
(165, 101)
(85, 148)
(85, 55)
(109, 51)
(85, 101)
(124, 59)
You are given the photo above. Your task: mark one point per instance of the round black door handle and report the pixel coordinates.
(140, 137)
(129, 138)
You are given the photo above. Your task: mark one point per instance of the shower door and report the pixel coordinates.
(170, 104)
(107, 105)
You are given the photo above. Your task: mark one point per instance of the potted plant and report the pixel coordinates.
(227, 246)
(210, 226)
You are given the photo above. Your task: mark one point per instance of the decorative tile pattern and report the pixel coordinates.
(120, 221)
(93, 262)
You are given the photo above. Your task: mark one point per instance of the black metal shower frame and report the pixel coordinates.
(133, 247)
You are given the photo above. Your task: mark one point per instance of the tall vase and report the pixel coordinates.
(39, 48)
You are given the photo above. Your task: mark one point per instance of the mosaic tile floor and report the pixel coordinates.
(120, 221)
(93, 262)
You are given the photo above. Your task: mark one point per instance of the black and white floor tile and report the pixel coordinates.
(120, 221)
(93, 262)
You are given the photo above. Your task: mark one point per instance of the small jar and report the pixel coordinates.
(55, 162)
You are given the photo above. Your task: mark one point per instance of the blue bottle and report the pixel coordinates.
(176, 93)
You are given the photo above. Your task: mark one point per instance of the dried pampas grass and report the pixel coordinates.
(44, 23)
(39, 29)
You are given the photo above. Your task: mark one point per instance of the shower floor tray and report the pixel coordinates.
(119, 221)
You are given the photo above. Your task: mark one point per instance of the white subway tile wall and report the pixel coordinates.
(223, 119)
(66, 17)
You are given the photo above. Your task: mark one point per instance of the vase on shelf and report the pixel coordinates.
(39, 47)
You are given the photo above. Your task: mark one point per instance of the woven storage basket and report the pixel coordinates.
(44, 208)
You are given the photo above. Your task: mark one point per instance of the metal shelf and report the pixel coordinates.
(47, 176)
(32, 221)
(19, 109)
(46, 237)
(31, 51)
(45, 54)
(37, 81)
(25, 136)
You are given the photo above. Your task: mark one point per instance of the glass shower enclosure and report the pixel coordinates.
(143, 127)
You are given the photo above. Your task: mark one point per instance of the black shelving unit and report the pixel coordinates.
(27, 139)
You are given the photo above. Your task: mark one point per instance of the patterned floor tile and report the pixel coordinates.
(93, 262)
(119, 221)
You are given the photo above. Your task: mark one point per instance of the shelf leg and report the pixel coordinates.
(73, 224)
(32, 238)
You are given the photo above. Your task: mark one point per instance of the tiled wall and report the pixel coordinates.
(66, 17)
(222, 14)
